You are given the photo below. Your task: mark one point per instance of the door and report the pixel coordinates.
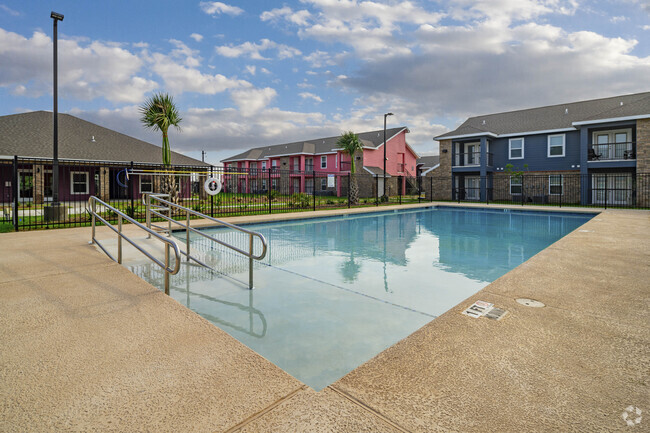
(472, 188)
(611, 189)
(472, 153)
(26, 185)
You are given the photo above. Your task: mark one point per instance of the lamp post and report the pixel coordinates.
(56, 17)
(385, 116)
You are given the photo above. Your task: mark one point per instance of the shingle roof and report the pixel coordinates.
(561, 116)
(315, 146)
(30, 135)
(428, 161)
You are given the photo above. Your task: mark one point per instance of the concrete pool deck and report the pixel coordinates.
(87, 346)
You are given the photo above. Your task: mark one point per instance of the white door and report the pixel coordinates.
(611, 188)
(472, 188)
(380, 186)
(472, 153)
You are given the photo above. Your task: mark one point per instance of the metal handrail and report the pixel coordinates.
(166, 205)
(169, 243)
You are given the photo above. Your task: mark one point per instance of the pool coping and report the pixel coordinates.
(375, 397)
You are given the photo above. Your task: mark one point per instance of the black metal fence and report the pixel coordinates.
(26, 199)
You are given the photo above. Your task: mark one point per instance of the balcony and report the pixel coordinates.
(612, 151)
(345, 166)
(470, 159)
(400, 168)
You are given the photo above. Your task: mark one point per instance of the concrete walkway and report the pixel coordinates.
(87, 346)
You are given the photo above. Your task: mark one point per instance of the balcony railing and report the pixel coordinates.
(612, 151)
(470, 159)
(346, 166)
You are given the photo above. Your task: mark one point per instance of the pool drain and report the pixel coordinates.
(530, 302)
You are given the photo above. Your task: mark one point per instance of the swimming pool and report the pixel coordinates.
(334, 292)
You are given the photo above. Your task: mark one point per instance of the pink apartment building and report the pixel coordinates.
(305, 165)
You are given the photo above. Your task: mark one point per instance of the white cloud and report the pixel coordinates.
(618, 19)
(254, 51)
(250, 69)
(197, 37)
(86, 70)
(646, 27)
(218, 8)
(300, 17)
(265, 71)
(251, 101)
(307, 95)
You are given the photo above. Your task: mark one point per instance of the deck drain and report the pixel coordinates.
(530, 302)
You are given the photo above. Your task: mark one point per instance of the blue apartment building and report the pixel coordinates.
(597, 147)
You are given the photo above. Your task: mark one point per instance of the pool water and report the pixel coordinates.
(334, 292)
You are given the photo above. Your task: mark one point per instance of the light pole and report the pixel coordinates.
(385, 116)
(56, 17)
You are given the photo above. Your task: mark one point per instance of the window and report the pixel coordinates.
(274, 163)
(263, 165)
(515, 185)
(323, 161)
(78, 182)
(309, 164)
(555, 146)
(516, 148)
(146, 185)
(264, 184)
(323, 184)
(274, 183)
(555, 184)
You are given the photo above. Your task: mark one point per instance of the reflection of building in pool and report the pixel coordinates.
(466, 247)
(383, 237)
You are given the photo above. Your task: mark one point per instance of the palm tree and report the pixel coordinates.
(350, 143)
(159, 113)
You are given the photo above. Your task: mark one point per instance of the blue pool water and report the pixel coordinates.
(334, 292)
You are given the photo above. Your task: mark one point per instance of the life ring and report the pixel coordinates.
(212, 186)
(126, 178)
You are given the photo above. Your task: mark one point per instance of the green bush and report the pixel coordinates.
(273, 194)
(300, 200)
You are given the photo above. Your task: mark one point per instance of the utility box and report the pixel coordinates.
(55, 212)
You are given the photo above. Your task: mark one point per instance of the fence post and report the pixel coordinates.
(349, 187)
(268, 187)
(14, 190)
(522, 189)
(313, 189)
(606, 178)
(211, 196)
(431, 188)
(131, 186)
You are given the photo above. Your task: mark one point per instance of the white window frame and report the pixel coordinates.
(561, 185)
(510, 148)
(263, 165)
(548, 146)
(521, 184)
(140, 181)
(274, 163)
(323, 161)
(274, 183)
(323, 184)
(264, 184)
(72, 183)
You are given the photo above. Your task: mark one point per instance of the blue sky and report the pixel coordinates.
(252, 73)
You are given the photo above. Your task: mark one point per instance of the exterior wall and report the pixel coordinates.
(643, 146)
(441, 176)
(536, 187)
(536, 153)
(396, 145)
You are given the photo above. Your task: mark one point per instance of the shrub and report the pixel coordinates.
(299, 200)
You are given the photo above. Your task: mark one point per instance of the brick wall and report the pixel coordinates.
(536, 187)
(441, 176)
(643, 146)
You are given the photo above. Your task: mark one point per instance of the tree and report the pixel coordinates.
(159, 113)
(349, 142)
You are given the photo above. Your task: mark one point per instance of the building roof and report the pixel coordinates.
(376, 171)
(555, 117)
(370, 139)
(428, 161)
(30, 135)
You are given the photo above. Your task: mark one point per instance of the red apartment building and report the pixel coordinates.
(313, 160)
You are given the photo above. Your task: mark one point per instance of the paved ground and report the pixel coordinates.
(87, 346)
